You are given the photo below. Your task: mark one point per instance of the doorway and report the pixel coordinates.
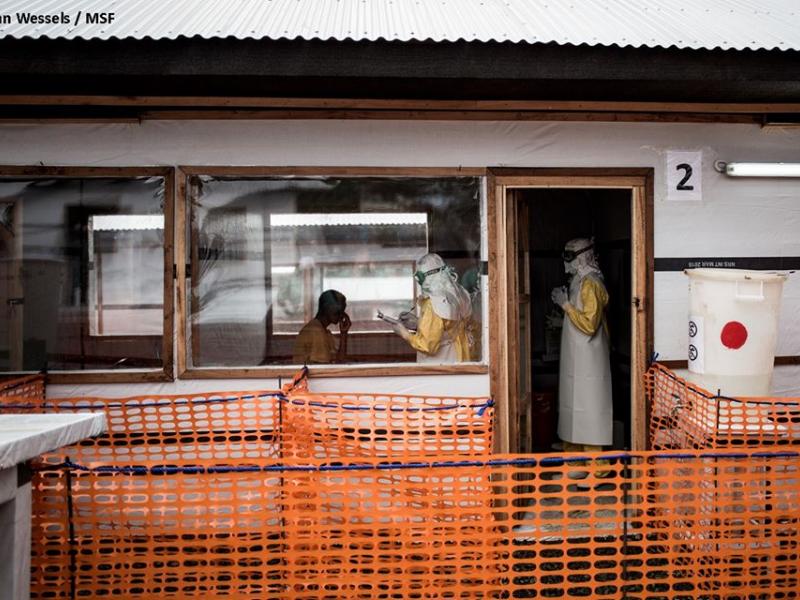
(534, 213)
(553, 216)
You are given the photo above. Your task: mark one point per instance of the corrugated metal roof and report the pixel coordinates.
(727, 24)
(127, 222)
(334, 219)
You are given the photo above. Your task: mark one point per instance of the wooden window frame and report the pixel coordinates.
(166, 372)
(503, 318)
(182, 249)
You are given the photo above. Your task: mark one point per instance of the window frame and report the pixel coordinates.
(183, 262)
(166, 371)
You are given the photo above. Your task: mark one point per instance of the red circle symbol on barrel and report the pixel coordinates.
(733, 335)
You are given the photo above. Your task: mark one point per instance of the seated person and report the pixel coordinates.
(315, 343)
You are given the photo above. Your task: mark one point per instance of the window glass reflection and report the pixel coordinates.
(81, 273)
(264, 251)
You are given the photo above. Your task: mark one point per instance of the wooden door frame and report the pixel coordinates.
(503, 318)
(12, 305)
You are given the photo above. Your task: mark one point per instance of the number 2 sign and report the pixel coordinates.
(684, 175)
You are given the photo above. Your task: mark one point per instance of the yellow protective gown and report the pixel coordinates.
(439, 340)
(584, 395)
(593, 301)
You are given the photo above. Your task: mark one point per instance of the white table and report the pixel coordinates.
(23, 437)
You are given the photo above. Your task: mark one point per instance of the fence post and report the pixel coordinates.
(73, 551)
(626, 479)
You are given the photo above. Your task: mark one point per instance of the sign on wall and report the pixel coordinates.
(758, 263)
(684, 176)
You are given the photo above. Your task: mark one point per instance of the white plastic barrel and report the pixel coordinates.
(733, 329)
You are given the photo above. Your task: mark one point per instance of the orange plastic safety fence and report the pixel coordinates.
(22, 394)
(214, 428)
(234, 428)
(659, 526)
(179, 429)
(199, 429)
(394, 426)
(299, 495)
(683, 415)
(337, 425)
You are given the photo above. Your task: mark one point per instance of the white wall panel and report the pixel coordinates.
(456, 385)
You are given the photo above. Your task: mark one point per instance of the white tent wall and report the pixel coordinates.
(736, 217)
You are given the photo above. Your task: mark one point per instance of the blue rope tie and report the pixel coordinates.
(481, 408)
(393, 466)
(100, 405)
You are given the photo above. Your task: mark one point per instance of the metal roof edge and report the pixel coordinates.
(401, 41)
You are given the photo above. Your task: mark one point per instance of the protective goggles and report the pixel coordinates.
(421, 275)
(570, 255)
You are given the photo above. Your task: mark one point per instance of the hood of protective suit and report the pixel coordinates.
(586, 262)
(449, 300)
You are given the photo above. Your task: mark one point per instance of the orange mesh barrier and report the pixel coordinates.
(22, 394)
(230, 428)
(683, 415)
(295, 495)
(394, 426)
(664, 525)
(399, 427)
(220, 427)
(180, 429)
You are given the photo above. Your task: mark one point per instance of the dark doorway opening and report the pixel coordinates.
(555, 216)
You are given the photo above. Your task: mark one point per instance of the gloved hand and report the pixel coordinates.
(559, 296)
(408, 319)
(401, 331)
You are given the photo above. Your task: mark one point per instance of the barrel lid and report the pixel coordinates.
(736, 275)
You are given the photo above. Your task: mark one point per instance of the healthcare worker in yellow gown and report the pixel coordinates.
(444, 309)
(584, 387)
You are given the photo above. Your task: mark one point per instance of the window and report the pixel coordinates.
(262, 249)
(82, 264)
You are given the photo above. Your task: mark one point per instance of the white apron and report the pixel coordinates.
(446, 354)
(584, 382)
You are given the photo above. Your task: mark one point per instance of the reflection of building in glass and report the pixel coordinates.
(125, 256)
(263, 250)
(82, 273)
(369, 257)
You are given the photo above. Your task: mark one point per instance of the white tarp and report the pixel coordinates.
(26, 436)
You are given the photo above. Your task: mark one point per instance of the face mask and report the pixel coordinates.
(421, 275)
(570, 255)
